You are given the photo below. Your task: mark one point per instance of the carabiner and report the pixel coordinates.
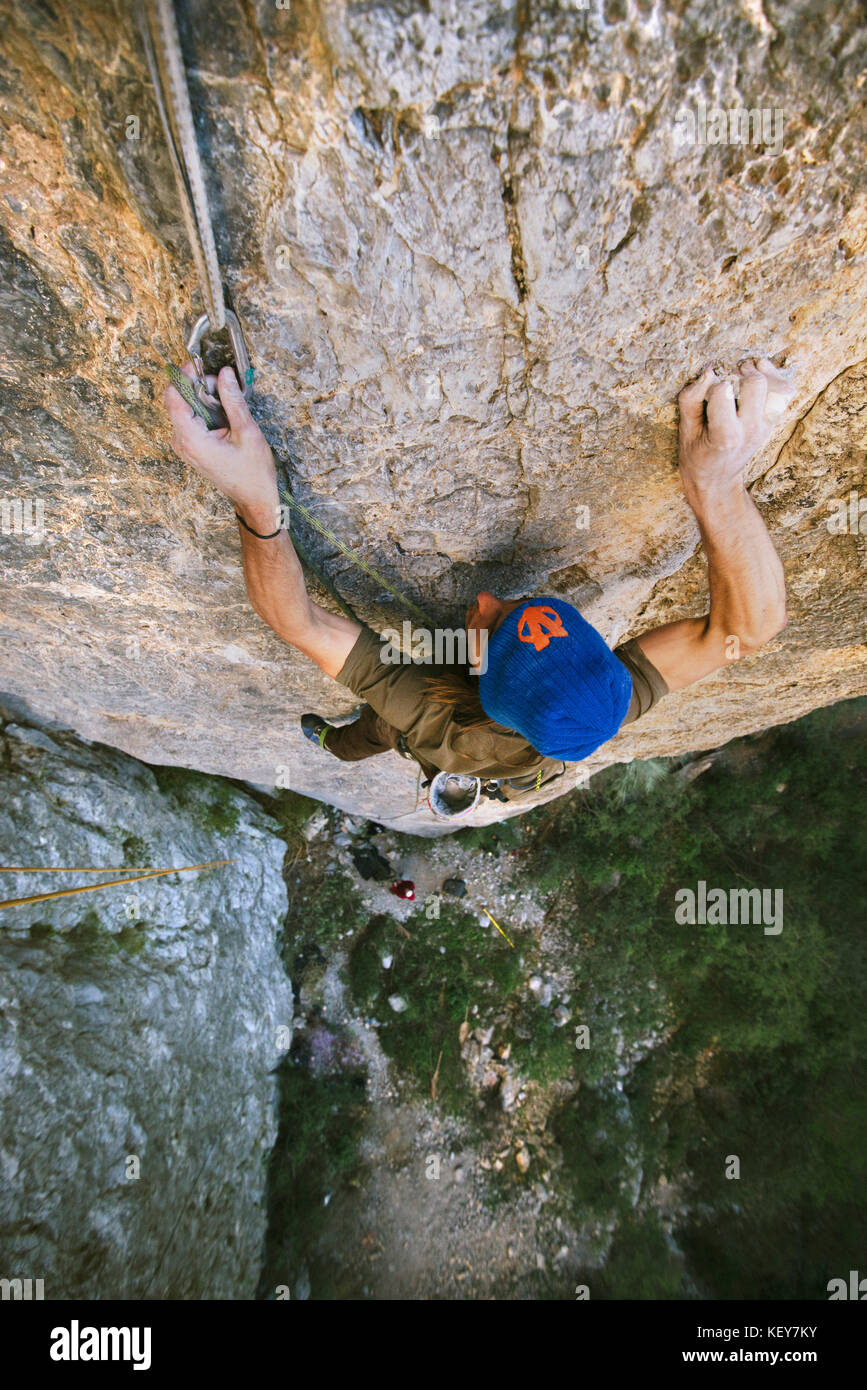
(243, 369)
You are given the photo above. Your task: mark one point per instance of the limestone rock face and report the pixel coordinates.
(477, 248)
(139, 1026)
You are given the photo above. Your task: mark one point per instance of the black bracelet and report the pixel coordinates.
(258, 534)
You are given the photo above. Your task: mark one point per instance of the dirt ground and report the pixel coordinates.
(424, 1219)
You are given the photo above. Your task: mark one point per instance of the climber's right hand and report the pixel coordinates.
(720, 431)
(237, 460)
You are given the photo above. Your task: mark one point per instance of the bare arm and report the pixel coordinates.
(747, 587)
(238, 461)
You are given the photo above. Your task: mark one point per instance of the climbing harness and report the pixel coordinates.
(162, 47)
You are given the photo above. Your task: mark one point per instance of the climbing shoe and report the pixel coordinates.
(315, 728)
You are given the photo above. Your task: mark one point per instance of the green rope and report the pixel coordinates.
(184, 387)
(286, 496)
(323, 580)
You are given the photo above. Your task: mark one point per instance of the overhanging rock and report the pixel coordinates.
(476, 256)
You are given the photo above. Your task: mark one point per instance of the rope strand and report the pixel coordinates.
(174, 102)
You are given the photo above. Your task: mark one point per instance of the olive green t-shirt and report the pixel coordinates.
(398, 693)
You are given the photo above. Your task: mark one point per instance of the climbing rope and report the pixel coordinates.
(173, 100)
(95, 887)
(165, 62)
(286, 496)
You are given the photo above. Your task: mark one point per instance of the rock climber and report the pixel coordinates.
(550, 690)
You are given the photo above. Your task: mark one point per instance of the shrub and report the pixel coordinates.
(440, 987)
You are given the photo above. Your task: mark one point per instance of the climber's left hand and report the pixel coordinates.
(237, 460)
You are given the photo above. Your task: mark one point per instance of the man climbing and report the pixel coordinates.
(551, 691)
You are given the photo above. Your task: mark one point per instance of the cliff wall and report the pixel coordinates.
(477, 248)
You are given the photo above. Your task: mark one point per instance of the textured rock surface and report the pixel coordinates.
(135, 1022)
(475, 262)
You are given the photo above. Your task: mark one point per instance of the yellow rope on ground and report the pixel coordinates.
(499, 928)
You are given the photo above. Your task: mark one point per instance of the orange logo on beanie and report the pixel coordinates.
(539, 625)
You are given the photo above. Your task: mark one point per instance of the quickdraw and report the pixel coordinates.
(243, 370)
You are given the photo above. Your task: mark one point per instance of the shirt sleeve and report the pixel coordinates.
(648, 686)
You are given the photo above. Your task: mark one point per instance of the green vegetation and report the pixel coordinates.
(291, 811)
(136, 853)
(490, 839)
(327, 909)
(640, 1263)
(209, 800)
(320, 1121)
(542, 1051)
(90, 941)
(320, 1113)
(706, 1042)
(728, 1041)
(447, 967)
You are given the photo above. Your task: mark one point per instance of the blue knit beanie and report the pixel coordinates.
(551, 677)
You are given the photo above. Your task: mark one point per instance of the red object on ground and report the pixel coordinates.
(404, 889)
